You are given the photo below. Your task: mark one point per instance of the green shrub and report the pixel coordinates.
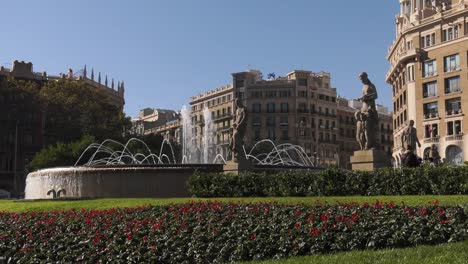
(60, 154)
(424, 180)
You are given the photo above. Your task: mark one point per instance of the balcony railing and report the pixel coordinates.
(452, 90)
(458, 137)
(226, 115)
(453, 113)
(432, 140)
(431, 115)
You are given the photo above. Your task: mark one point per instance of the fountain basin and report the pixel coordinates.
(115, 181)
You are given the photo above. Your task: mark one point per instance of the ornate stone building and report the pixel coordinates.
(22, 124)
(428, 73)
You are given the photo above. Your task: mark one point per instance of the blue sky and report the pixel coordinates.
(167, 51)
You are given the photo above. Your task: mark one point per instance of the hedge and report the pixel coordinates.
(215, 232)
(332, 182)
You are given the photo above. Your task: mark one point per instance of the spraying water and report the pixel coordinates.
(208, 136)
(188, 144)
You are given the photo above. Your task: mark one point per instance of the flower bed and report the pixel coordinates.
(207, 232)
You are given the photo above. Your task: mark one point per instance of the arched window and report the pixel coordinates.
(454, 154)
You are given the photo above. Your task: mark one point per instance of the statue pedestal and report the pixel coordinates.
(369, 160)
(236, 167)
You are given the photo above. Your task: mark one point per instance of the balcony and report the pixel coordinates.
(431, 116)
(452, 90)
(431, 140)
(224, 128)
(453, 113)
(458, 137)
(283, 124)
(222, 116)
(403, 56)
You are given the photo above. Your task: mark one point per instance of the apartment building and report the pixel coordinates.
(428, 74)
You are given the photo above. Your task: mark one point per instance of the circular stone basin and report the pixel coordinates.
(118, 181)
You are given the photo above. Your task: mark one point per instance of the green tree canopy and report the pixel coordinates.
(75, 109)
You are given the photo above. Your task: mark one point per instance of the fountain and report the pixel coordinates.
(113, 170)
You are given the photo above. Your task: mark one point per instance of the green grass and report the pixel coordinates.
(447, 253)
(39, 206)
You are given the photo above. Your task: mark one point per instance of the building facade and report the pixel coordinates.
(428, 74)
(149, 119)
(300, 108)
(22, 121)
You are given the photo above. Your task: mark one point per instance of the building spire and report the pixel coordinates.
(92, 74)
(85, 73)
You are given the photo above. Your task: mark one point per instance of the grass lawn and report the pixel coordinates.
(447, 253)
(39, 206)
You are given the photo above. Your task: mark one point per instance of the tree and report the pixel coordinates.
(75, 109)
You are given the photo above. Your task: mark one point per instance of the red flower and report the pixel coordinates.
(446, 220)
(97, 239)
(297, 225)
(324, 217)
(253, 237)
(297, 213)
(440, 211)
(145, 238)
(314, 232)
(423, 211)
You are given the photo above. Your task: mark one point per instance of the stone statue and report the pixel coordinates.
(239, 128)
(368, 115)
(360, 130)
(409, 137)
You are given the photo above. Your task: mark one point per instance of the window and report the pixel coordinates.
(450, 33)
(302, 108)
(270, 107)
(428, 40)
(256, 108)
(430, 68)
(454, 128)
(411, 73)
(431, 110)
(452, 63)
(256, 94)
(283, 120)
(302, 82)
(271, 121)
(271, 134)
(302, 94)
(284, 134)
(284, 94)
(453, 106)
(429, 89)
(284, 107)
(239, 83)
(452, 85)
(431, 131)
(256, 121)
